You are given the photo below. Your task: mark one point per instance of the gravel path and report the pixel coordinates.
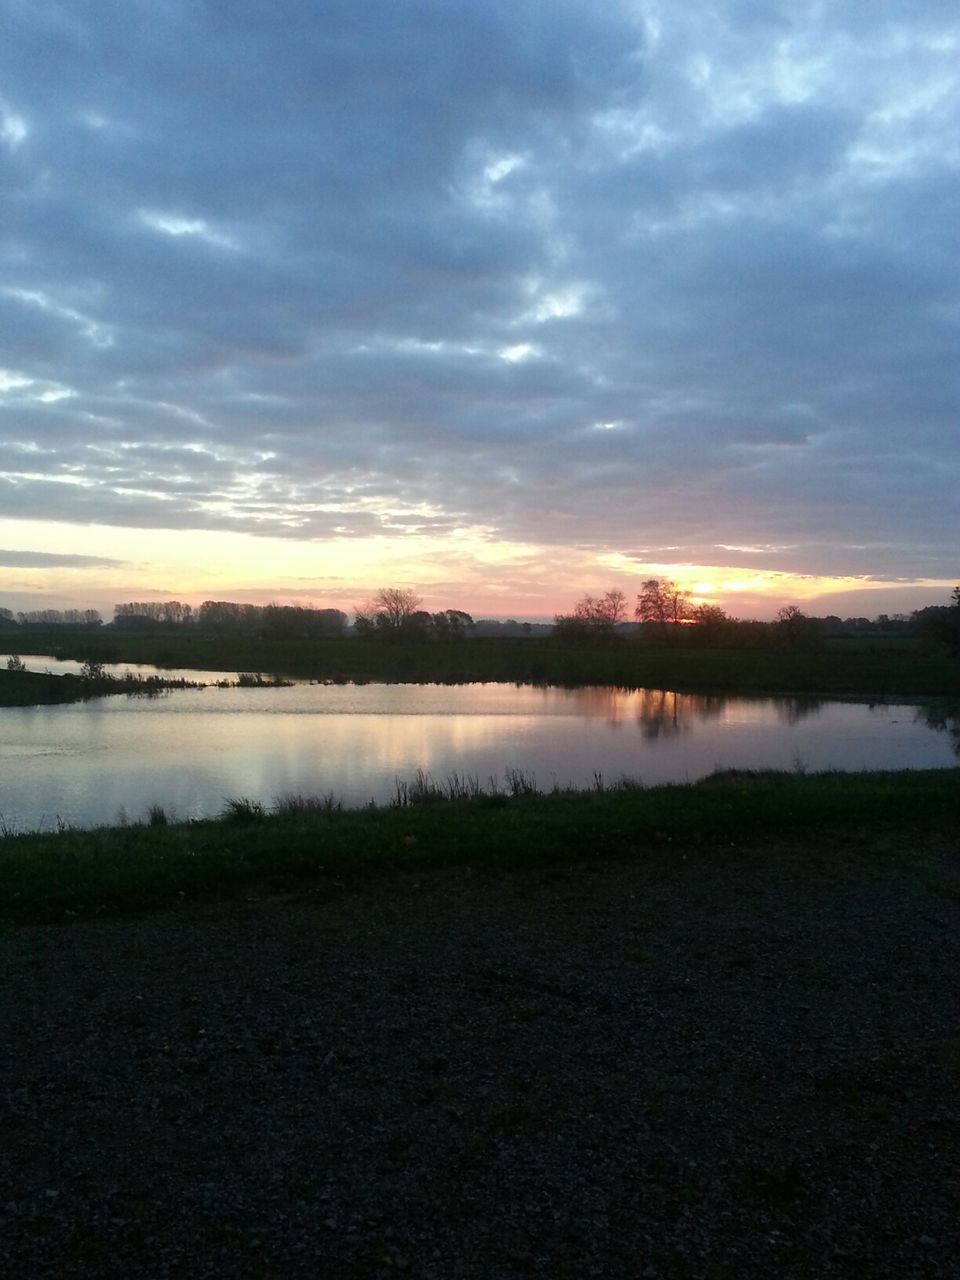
(719, 1066)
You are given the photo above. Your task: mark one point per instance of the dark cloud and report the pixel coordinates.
(588, 278)
(52, 560)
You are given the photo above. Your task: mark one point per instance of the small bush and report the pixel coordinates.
(16, 663)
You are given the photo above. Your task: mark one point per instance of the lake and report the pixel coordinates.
(98, 762)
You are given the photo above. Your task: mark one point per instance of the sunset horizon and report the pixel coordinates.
(533, 302)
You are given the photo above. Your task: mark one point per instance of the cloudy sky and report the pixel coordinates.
(504, 300)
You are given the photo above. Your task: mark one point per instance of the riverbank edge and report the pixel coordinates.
(38, 689)
(313, 846)
(848, 670)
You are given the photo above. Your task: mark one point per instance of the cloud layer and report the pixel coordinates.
(671, 283)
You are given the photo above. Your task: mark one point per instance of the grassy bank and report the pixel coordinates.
(32, 688)
(316, 847)
(841, 668)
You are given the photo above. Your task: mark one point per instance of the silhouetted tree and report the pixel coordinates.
(390, 614)
(593, 619)
(941, 623)
(796, 629)
(60, 618)
(663, 603)
(451, 624)
(395, 605)
(712, 624)
(164, 613)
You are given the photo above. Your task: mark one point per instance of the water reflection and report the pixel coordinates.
(193, 749)
(661, 713)
(944, 718)
(794, 709)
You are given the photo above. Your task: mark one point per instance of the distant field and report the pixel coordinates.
(842, 667)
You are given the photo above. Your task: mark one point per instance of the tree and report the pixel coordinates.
(391, 613)
(137, 613)
(665, 604)
(395, 605)
(593, 619)
(795, 628)
(712, 623)
(941, 622)
(451, 624)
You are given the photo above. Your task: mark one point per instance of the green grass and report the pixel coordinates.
(318, 847)
(836, 668)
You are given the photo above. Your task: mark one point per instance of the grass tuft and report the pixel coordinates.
(242, 809)
(295, 803)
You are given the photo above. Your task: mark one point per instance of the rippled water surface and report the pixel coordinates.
(189, 750)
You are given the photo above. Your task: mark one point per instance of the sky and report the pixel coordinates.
(506, 301)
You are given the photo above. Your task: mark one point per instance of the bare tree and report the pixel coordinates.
(593, 618)
(392, 612)
(795, 628)
(663, 602)
(395, 605)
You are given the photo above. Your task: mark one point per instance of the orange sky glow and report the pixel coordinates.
(470, 570)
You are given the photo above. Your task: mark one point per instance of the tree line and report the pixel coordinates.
(394, 613)
(52, 618)
(272, 621)
(663, 612)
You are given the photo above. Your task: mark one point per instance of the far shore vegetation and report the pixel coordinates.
(668, 643)
(312, 846)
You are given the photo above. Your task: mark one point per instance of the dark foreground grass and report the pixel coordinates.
(312, 845)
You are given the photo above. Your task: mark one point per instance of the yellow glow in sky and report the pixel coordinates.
(469, 568)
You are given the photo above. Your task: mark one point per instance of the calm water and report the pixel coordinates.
(189, 750)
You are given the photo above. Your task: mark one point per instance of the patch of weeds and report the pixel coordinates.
(242, 809)
(294, 804)
(520, 783)
(420, 790)
(157, 816)
(461, 786)
(424, 789)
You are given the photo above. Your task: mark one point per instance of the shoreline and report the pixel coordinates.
(315, 845)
